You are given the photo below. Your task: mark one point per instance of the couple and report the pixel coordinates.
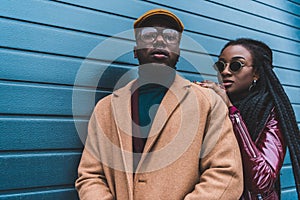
(163, 137)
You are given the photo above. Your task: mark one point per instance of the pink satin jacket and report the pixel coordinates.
(262, 159)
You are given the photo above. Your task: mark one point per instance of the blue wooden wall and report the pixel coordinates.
(51, 60)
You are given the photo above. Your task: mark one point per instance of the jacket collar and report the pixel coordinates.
(121, 105)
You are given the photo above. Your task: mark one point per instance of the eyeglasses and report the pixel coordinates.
(149, 35)
(234, 66)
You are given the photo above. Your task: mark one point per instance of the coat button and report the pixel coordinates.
(142, 181)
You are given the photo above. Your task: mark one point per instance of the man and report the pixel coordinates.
(160, 136)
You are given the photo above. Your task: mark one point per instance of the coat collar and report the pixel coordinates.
(171, 100)
(121, 105)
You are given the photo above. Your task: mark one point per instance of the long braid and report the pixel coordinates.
(269, 93)
(255, 116)
(255, 108)
(291, 131)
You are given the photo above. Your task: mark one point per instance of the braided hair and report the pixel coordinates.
(267, 94)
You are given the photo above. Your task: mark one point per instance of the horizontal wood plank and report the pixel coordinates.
(35, 99)
(44, 68)
(60, 41)
(287, 159)
(41, 133)
(205, 25)
(259, 14)
(252, 11)
(287, 171)
(46, 194)
(287, 6)
(20, 65)
(67, 16)
(293, 93)
(46, 100)
(289, 194)
(40, 169)
(198, 77)
(57, 41)
(288, 77)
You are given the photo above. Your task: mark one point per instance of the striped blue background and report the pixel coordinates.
(45, 44)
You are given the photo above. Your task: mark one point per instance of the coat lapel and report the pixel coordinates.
(121, 105)
(172, 99)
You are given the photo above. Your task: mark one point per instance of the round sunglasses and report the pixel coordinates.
(234, 66)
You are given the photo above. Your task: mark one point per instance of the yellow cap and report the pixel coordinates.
(154, 12)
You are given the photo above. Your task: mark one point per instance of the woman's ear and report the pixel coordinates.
(256, 76)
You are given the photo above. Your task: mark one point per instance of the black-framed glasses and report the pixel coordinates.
(149, 35)
(234, 66)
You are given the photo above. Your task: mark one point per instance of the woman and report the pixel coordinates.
(261, 113)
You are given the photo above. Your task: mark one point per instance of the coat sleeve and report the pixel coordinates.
(91, 183)
(220, 175)
(261, 160)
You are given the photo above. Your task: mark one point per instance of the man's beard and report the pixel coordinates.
(154, 73)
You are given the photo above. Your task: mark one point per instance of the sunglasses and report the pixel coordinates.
(234, 66)
(150, 34)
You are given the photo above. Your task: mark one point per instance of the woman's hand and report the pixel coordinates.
(218, 88)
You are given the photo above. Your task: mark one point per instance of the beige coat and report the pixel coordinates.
(191, 151)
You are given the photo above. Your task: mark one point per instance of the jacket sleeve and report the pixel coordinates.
(263, 159)
(220, 161)
(91, 182)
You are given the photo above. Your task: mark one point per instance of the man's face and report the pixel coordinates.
(157, 42)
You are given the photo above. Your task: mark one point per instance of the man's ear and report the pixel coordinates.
(178, 58)
(134, 52)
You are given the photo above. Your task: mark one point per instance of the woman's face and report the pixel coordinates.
(237, 83)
